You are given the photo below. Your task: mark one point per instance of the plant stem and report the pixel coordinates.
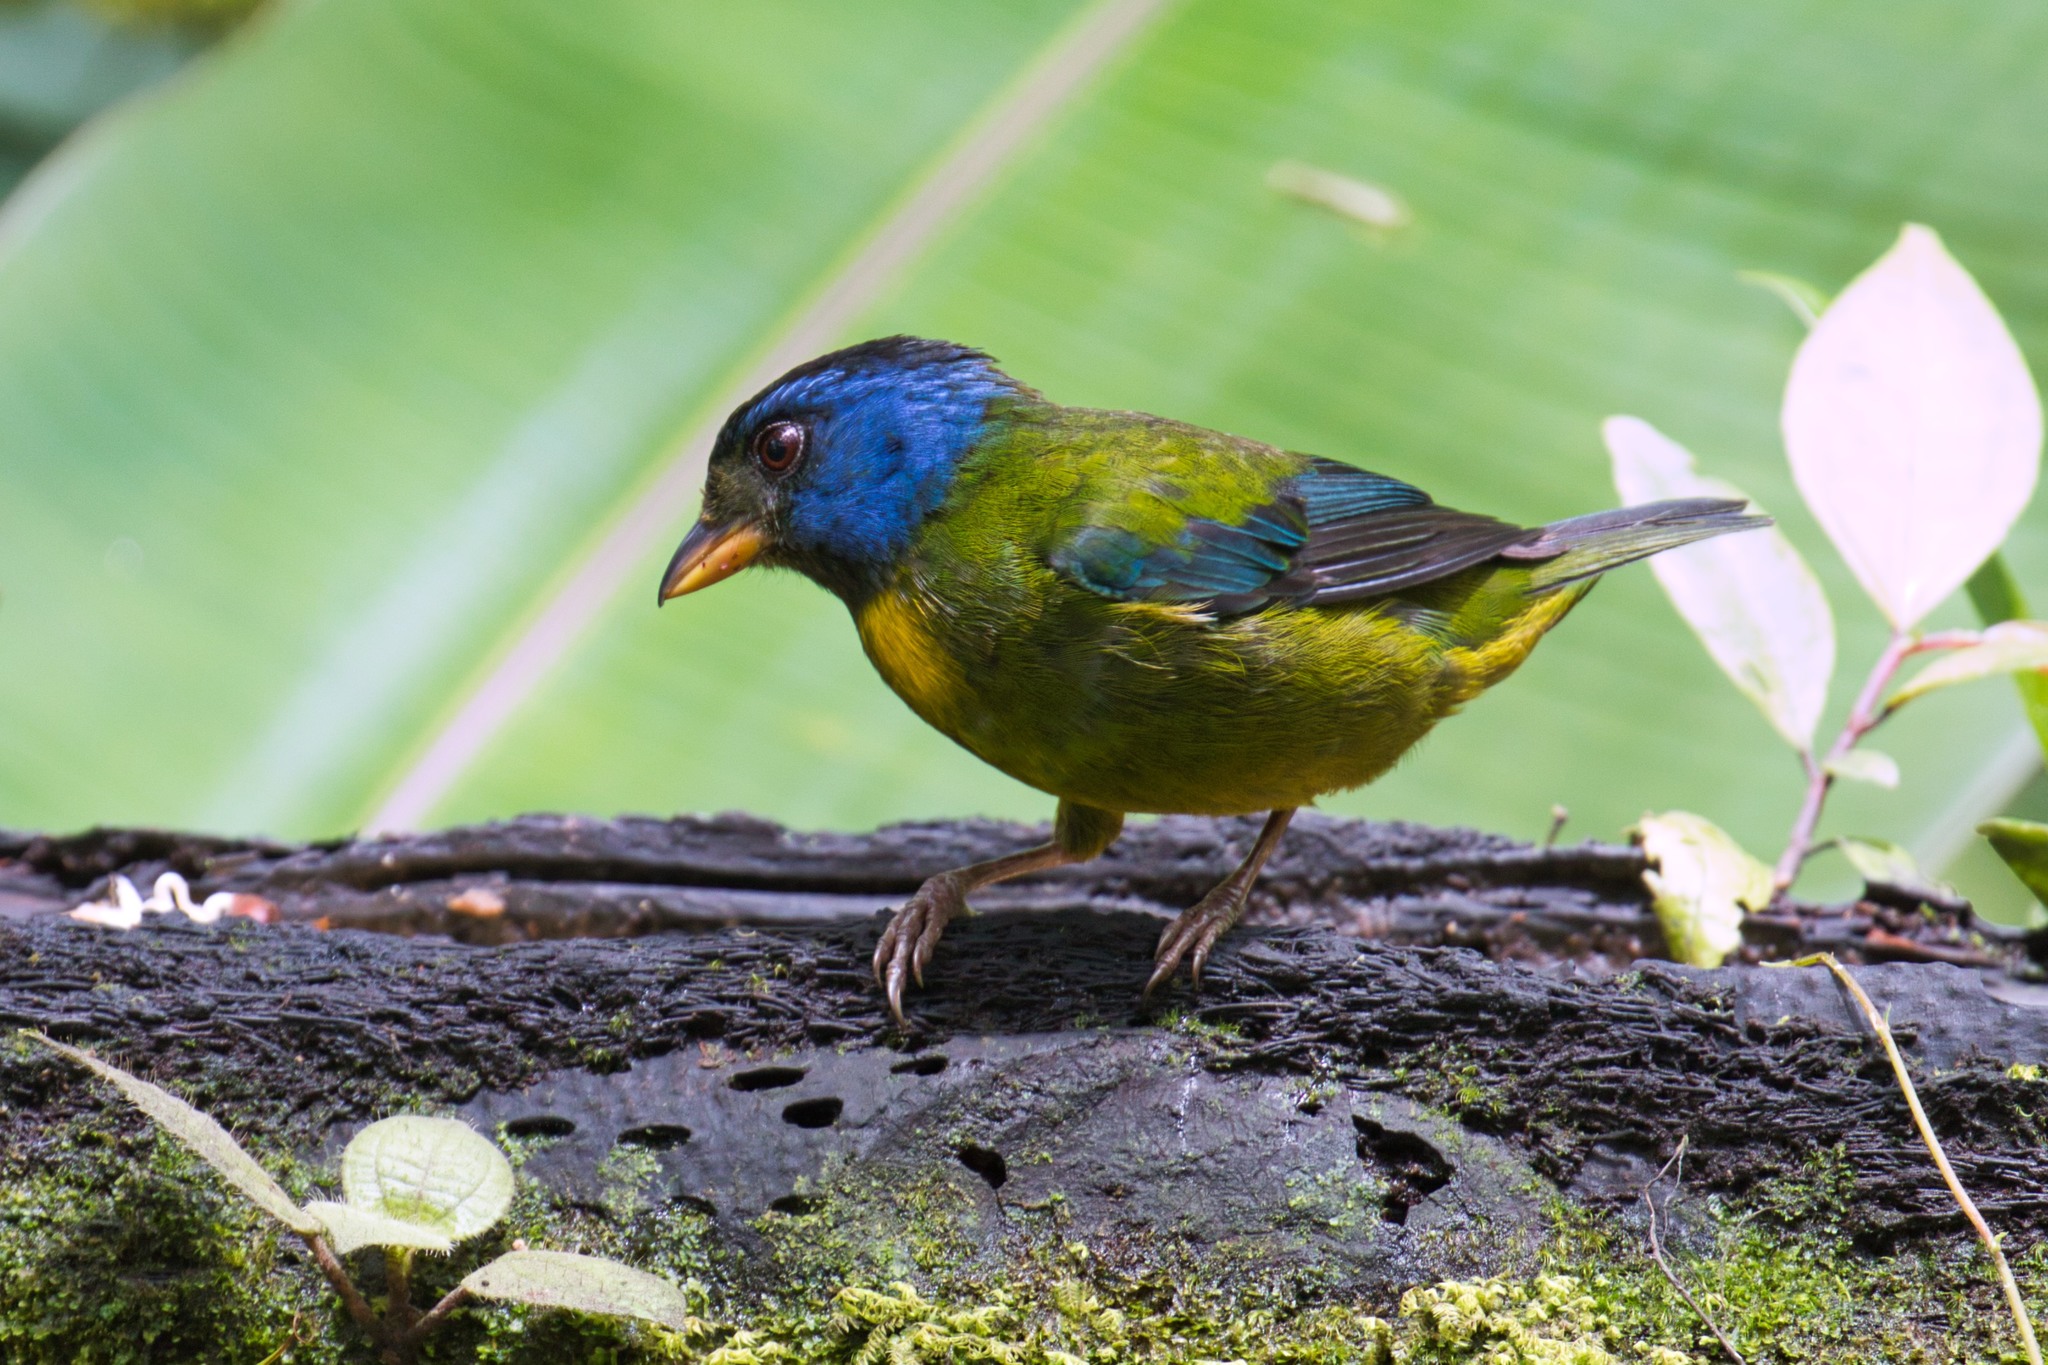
(351, 1297)
(2018, 1305)
(398, 1309)
(434, 1316)
(1865, 716)
(1657, 1255)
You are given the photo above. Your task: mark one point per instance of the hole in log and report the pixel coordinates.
(930, 1065)
(766, 1078)
(819, 1113)
(987, 1164)
(541, 1125)
(797, 1203)
(659, 1137)
(695, 1203)
(1412, 1168)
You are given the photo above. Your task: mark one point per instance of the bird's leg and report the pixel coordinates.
(1197, 928)
(1079, 833)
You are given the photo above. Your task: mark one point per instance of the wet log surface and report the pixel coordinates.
(720, 1014)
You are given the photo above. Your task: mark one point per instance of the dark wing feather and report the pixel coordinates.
(1334, 533)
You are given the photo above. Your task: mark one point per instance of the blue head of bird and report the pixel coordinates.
(831, 469)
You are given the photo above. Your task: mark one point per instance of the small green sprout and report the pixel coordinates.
(1701, 884)
(409, 1184)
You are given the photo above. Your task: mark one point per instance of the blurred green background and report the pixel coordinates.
(333, 346)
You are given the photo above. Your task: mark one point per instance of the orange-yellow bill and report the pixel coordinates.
(711, 553)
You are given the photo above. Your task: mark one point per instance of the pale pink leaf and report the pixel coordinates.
(1913, 426)
(1750, 598)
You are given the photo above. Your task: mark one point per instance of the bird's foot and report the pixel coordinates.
(913, 933)
(1194, 932)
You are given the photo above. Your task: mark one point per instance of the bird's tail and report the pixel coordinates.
(1585, 547)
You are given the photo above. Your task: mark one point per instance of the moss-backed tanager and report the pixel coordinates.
(1132, 613)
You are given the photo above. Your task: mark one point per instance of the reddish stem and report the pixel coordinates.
(434, 1316)
(351, 1297)
(1866, 715)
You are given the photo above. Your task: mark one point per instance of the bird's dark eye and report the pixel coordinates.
(778, 446)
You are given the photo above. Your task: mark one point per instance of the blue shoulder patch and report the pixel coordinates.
(1208, 561)
(1240, 566)
(1331, 490)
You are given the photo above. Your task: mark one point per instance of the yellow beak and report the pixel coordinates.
(711, 553)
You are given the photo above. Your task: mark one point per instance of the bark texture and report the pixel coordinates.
(1425, 1040)
(1758, 1068)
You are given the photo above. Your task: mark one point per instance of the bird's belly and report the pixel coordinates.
(1144, 708)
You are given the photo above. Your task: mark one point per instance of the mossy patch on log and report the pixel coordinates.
(1336, 1151)
(115, 1246)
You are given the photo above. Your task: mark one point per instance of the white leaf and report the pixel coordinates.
(1866, 765)
(1913, 427)
(209, 1141)
(350, 1228)
(2008, 647)
(589, 1284)
(1750, 598)
(1701, 882)
(437, 1173)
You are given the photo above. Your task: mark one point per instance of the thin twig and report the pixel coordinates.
(1870, 711)
(433, 1317)
(1657, 1255)
(2020, 1317)
(1866, 715)
(292, 1337)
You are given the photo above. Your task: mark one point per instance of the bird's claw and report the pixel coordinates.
(1193, 933)
(913, 933)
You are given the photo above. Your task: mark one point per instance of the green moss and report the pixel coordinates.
(119, 1246)
(135, 1252)
(1548, 1320)
(116, 1246)
(1450, 1079)
(1341, 1202)
(627, 1174)
(1787, 1295)
(1218, 1033)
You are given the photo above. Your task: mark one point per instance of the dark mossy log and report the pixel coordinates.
(1335, 1107)
(560, 876)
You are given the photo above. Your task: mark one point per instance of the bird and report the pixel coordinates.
(1129, 613)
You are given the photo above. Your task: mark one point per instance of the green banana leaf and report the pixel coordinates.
(350, 386)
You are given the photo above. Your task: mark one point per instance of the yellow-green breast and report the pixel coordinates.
(1159, 707)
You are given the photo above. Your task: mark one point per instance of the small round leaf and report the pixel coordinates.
(1865, 765)
(436, 1173)
(1884, 865)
